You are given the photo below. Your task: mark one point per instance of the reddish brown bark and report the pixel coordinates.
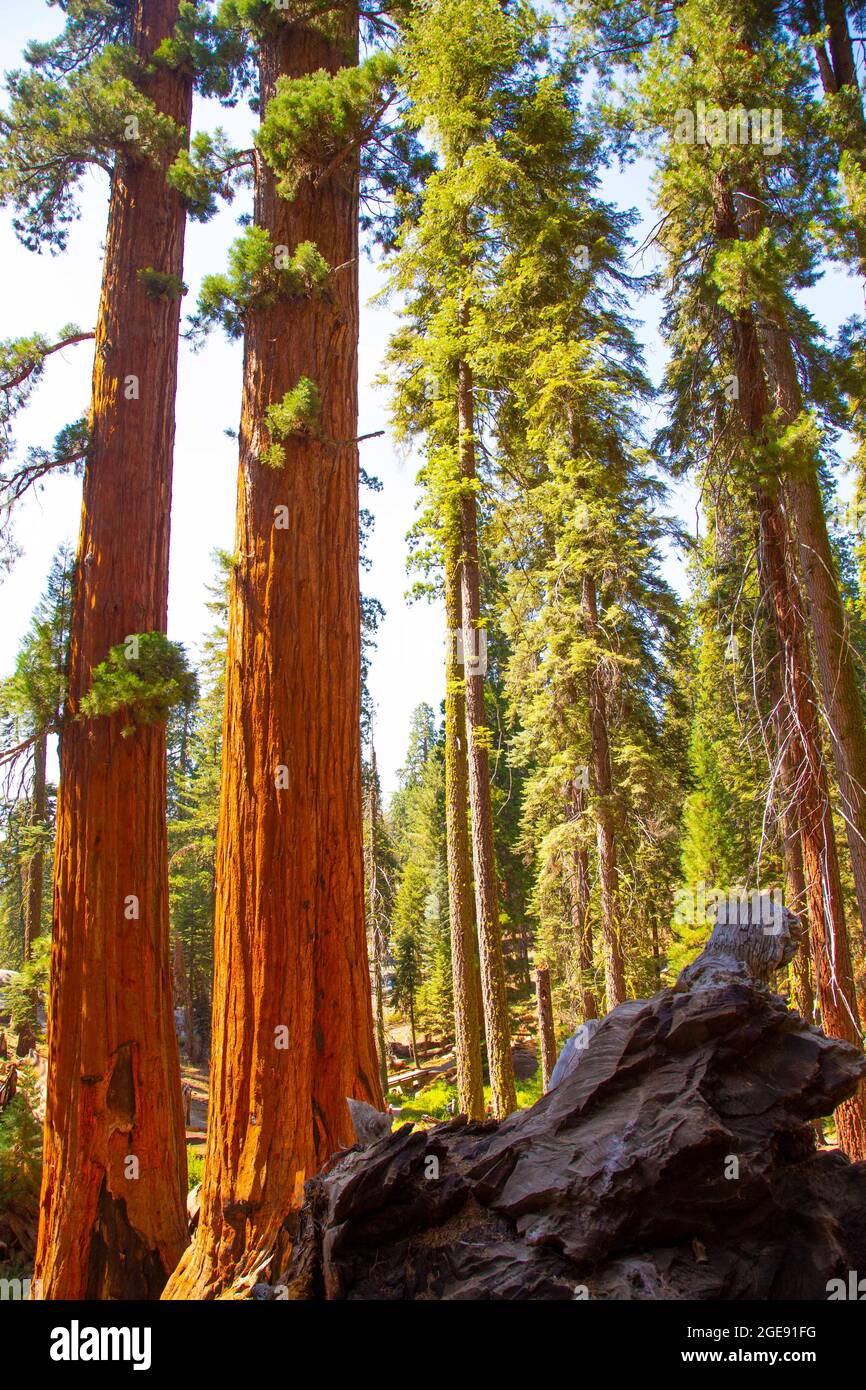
(792, 854)
(798, 721)
(837, 68)
(290, 948)
(834, 655)
(464, 968)
(114, 1083)
(829, 934)
(496, 1022)
(785, 793)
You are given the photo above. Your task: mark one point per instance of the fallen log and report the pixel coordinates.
(421, 1075)
(674, 1157)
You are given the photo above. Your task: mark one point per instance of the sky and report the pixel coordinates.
(41, 293)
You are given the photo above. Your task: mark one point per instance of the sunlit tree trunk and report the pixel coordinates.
(829, 934)
(799, 722)
(112, 1215)
(834, 655)
(785, 794)
(602, 786)
(496, 1023)
(464, 969)
(293, 1028)
(837, 68)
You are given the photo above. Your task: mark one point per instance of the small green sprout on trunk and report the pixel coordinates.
(158, 285)
(145, 676)
(259, 274)
(296, 413)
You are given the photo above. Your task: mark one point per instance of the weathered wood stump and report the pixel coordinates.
(683, 1126)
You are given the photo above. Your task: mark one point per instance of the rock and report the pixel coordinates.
(674, 1158)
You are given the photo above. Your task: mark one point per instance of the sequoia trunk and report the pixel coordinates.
(112, 1213)
(798, 720)
(829, 934)
(837, 67)
(292, 1020)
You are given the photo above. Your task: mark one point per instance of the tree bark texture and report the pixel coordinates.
(111, 1227)
(293, 1031)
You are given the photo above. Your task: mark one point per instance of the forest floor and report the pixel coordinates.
(418, 1094)
(422, 1095)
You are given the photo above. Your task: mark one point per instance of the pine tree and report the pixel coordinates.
(31, 701)
(584, 608)
(446, 259)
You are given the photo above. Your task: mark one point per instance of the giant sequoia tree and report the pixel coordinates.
(292, 1025)
(112, 1216)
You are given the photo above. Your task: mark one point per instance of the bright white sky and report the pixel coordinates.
(42, 293)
